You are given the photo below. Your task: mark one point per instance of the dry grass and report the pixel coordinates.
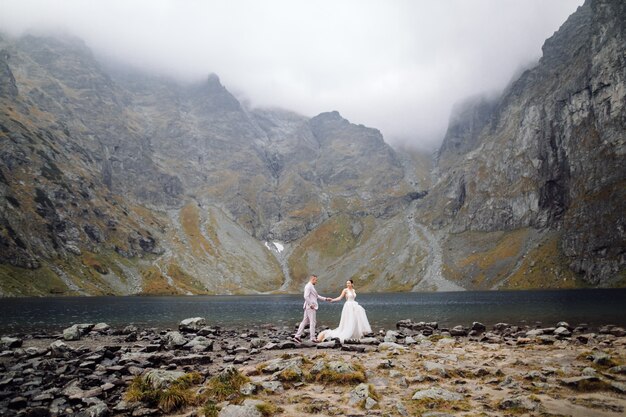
(225, 386)
(155, 283)
(190, 221)
(420, 407)
(548, 269)
(328, 376)
(175, 397)
(268, 409)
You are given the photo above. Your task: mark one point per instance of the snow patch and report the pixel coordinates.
(276, 246)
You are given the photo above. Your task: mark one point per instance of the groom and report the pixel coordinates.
(310, 309)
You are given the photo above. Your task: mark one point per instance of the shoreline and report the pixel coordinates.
(416, 369)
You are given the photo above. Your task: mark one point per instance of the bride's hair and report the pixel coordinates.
(351, 282)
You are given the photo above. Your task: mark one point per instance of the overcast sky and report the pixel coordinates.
(398, 66)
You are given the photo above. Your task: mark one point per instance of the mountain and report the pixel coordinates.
(113, 181)
(533, 181)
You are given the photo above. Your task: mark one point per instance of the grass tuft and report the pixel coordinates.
(175, 397)
(225, 386)
(268, 409)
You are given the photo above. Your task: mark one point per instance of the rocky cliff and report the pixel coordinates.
(545, 159)
(117, 182)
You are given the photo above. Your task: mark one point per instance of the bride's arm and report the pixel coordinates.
(343, 294)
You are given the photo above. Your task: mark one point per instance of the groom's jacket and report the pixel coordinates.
(311, 296)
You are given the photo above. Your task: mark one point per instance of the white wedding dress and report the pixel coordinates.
(353, 323)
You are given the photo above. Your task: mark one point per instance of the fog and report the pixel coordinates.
(398, 66)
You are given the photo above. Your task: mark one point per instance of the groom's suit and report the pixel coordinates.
(310, 308)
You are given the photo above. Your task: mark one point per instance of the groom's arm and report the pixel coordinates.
(323, 298)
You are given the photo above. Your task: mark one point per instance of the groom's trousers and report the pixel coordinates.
(309, 317)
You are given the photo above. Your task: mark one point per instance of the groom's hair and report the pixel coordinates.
(313, 276)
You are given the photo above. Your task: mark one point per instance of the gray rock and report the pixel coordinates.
(359, 394)
(517, 403)
(391, 336)
(272, 386)
(101, 328)
(58, 349)
(130, 329)
(10, 343)
(341, 367)
(577, 381)
(191, 360)
(621, 369)
(248, 389)
(588, 371)
(370, 403)
(390, 346)
(192, 324)
(161, 378)
(18, 402)
(618, 386)
(401, 409)
(478, 327)
(436, 368)
(562, 332)
(601, 358)
(458, 331)
(174, 340)
(257, 343)
(99, 409)
(280, 364)
(200, 344)
(369, 341)
(437, 394)
(247, 410)
(409, 340)
(72, 333)
(332, 344)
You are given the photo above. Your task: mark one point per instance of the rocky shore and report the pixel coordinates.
(418, 369)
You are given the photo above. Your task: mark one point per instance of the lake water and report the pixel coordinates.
(593, 307)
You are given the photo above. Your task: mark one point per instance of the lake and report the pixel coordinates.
(593, 307)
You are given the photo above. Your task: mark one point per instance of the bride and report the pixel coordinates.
(353, 323)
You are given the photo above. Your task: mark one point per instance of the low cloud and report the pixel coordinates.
(398, 66)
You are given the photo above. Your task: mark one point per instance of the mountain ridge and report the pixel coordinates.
(123, 183)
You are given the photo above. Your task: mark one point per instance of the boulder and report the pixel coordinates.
(99, 409)
(601, 358)
(390, 346)
(58, 349)
(478, 327)
(246, 410)
(562, 332)
(391, 336)
(437, 394)
(101, 328)
(10, 343)
(174, 340)
(341, 367)
(458, 331)
(436, 368)
(272, 386)
(130, 329)
(72, 333)
(161, 378)
(359, 394)
(517, 403)
(200, 344)
(193, 324)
